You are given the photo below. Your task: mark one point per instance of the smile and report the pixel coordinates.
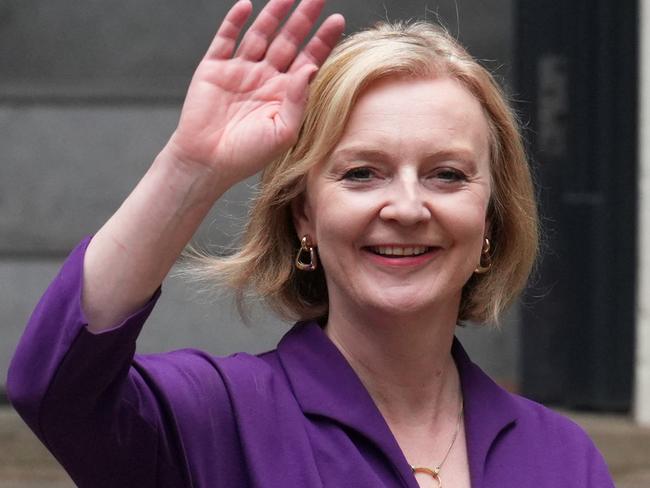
(399, 251)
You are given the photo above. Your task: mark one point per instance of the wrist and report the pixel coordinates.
(202, 181)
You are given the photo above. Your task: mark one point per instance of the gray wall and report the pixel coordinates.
(88, 95)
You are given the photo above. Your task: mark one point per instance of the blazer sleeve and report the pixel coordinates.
(82, 396)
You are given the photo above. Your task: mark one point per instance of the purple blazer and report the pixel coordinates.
(297, 416)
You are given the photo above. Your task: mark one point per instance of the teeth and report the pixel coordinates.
(399, 251)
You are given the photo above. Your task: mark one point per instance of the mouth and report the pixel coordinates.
(397, 252)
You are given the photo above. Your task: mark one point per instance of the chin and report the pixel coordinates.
(406, 306)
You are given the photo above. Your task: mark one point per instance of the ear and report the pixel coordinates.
(488, 228)
(489, 216)
(302, 217)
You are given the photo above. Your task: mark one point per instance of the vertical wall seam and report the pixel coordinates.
(642, 369)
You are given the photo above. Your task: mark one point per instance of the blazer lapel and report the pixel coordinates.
(489, 410)
(326, 385)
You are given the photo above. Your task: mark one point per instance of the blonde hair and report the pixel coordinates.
(264, 262)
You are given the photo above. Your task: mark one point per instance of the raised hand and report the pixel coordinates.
(243, 108)
(245, 104)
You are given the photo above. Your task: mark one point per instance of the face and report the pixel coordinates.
(398, 210)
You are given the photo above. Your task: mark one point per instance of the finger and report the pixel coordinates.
(293, 106)
(321, 44)
(256, 40)
(284, 47)
(224, 42)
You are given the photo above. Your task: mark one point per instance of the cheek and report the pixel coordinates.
(343, 217)
(464, 217)
(335, 230)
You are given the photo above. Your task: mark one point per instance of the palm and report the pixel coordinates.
(231, 112)
(241, 112)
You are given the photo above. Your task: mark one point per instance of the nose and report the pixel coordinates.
(406, 202)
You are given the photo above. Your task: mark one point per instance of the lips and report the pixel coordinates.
(399, 251)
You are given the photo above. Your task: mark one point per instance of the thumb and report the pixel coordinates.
(293, 106)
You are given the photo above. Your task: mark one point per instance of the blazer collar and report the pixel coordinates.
(326, 385)
(488, 408)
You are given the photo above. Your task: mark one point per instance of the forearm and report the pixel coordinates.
(131, 254)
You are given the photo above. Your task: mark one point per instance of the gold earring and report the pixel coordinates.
(306, 247)
(484, 268)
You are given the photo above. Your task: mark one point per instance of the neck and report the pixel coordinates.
(404, 362)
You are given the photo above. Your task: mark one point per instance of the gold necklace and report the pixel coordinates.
(435, 472)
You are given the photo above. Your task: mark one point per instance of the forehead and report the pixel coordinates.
(408, 115)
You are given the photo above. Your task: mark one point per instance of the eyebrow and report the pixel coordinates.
(376, 154)
(360, 153)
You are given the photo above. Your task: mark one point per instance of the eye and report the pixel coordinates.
(359, 174)
(450, 175)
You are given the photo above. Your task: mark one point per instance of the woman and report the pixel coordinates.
(395, 202)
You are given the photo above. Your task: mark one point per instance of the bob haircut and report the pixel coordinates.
(264, 264)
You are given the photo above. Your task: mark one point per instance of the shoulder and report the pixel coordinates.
(209, 402)
(545, 441)
(493, 410)
(516, 438)
(536, 419)
(192, 375)
(188, 381)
